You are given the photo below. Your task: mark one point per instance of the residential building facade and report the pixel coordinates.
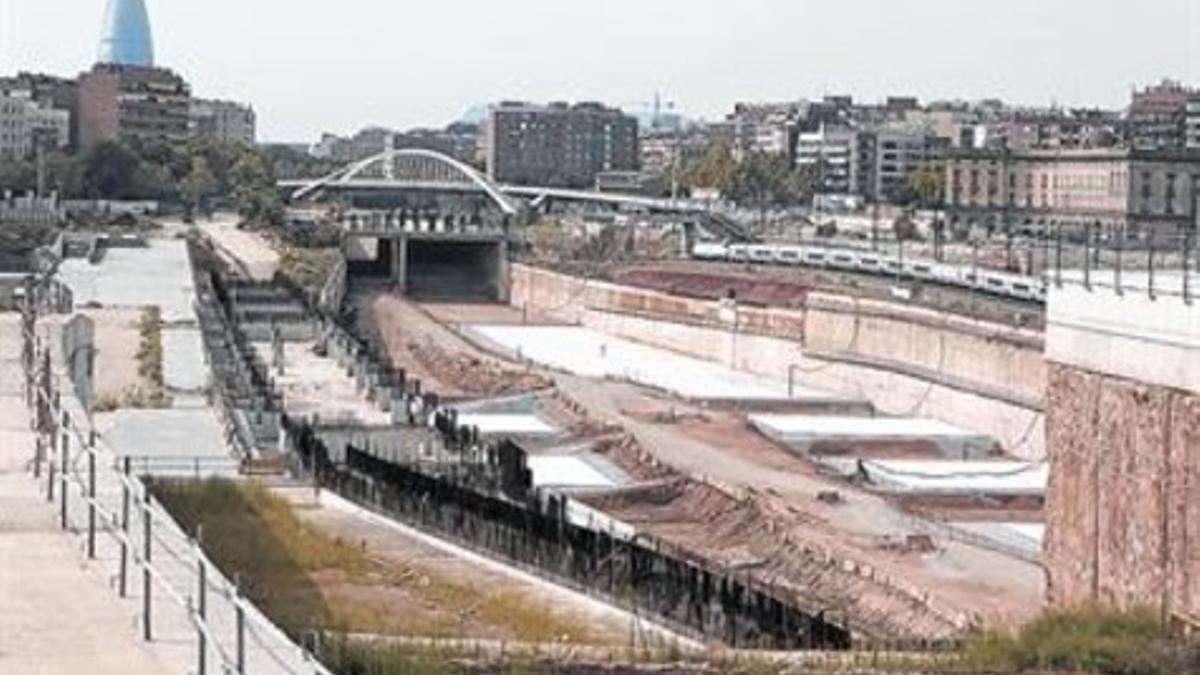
(129, 102)
(222, 121)
(1158, 116)
(1140, 190)
(1192, 122)
(832, 157)
(27, 124)
(889, 155)
(559, 145)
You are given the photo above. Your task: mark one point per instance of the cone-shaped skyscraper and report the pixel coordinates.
(126, 38)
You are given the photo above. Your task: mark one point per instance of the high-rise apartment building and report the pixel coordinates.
(119, 102)
(559, 144)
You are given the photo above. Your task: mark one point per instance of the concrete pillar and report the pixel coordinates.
(383, 397)
(400, 263)
(399, 408)
(503, 289)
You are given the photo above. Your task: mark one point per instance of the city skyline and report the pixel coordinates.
(273, 52)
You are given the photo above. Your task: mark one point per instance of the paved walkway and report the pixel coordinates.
(247, 249)
(56, 615)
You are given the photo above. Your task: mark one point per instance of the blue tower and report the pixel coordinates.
(126, 37)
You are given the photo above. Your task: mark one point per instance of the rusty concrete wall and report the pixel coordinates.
(905, 360)
(1123, 507)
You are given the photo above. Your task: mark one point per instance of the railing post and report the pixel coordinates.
(147, 557)
(240, 624)
(1117, 268)
(1150, 264)
(201, 606)
(1087, 256)
(38, 451)
(50, 470)
(1187, 266)
(91, 541)
(66, 472)
(124, 585)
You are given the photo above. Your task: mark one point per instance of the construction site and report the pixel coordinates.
(442, 435)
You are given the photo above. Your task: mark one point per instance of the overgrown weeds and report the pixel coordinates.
(308, 580)
(1088, 639)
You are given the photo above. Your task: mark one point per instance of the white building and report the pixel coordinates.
(222, 121)
(831, 154)
(1193, 122)
(26, 123)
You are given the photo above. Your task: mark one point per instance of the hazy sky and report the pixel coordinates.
(314, 65)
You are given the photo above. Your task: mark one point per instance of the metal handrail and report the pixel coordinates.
(88, 446)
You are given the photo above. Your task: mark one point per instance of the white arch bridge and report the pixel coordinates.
(411, 170)
(437, 182)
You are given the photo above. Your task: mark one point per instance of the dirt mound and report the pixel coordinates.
(778, 545)
(715, 285)
(471, 375)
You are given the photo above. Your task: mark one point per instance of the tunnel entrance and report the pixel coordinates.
(455, 271)
(369, 257)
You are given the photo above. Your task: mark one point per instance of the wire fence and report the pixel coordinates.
(186, 607)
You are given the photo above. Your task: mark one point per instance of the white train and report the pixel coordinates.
(1004, 284)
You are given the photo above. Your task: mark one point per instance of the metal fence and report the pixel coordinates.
(185, 606)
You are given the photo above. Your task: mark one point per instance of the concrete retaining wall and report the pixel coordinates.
(983, 377)
(1122, 514)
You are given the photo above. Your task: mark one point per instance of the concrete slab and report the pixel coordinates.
(588, 353)
(807, 432)
(999, 478)
(1034, 531)
(1023, 540)
(566, 472)
(172, 433)
(184, 368)
(315, 385)
(158, 275)
(500, 424)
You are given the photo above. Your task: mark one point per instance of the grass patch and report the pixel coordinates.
(307, 580)
(150, 350)
(1089, 639)
(153, 393)
(309, 268)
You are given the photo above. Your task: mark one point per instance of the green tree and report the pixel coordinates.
(763, 181)
(200, 183)
(17, 175)
(713, 170)
(110, 170)
(927, 185)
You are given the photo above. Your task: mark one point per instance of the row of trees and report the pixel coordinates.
(199, 176)
(764, 181)
(759, 180)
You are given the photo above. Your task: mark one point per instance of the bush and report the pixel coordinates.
(1088, 639)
